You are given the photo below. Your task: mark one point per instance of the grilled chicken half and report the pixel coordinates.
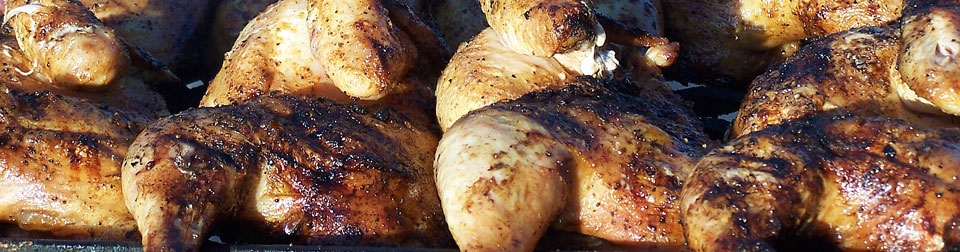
(555, 148)
(271, 154)
(63, 144)
(314, 170)
(835, 145)
(730, 42)
(861, 183)
(598, 158)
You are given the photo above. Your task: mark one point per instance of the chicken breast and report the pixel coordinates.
(861, 183)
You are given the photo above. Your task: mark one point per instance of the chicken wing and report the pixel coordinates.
(365, 53)
(68, 45)
(484, 71)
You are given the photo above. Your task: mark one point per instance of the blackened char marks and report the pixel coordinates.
(610, 101)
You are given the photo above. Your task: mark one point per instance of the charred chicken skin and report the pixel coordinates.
(269, 153)
(840, 144)
(905, 73)
(582, 158)
(854, 70)
(314, 170)
(862, 183)
(73, 98)
(531, 144)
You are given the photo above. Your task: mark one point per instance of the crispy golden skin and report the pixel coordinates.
(60, 165)
(862, 183)
(853, 70)
(730, 42)
(69, 47)
(484, 71)
(62, 150)
(582, 158)
(364, 53)
(273, 54)
(315, 170)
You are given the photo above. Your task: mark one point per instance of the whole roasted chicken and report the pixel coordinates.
(841, 144)
(315, 132)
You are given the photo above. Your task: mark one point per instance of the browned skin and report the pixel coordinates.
(364, 53)
(62, 150)
(730, 42)
(60, 165)
(931, 50)
(315, 170)
(854, 70)
(485, 71)
(861, 183)
(129, 93)
(273, 54)
(69, 47)
(164, 28)
(541, 28)
(605, 161)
